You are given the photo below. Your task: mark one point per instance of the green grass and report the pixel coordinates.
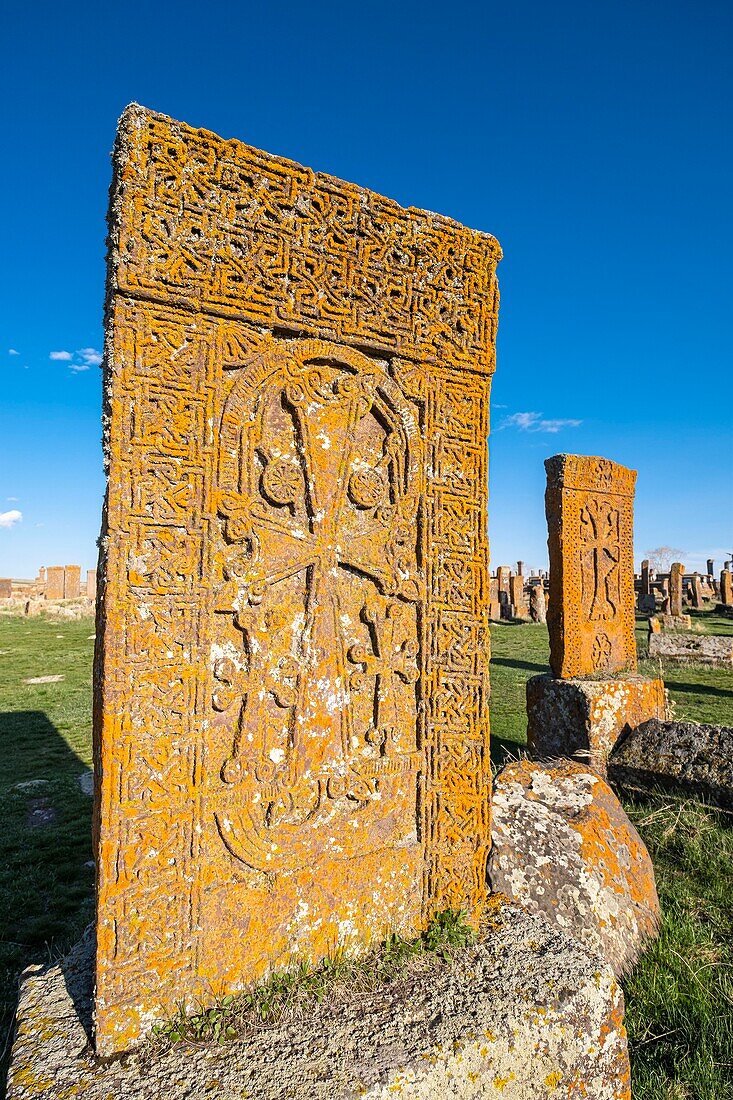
(680, 997)
(45, 734)
(289, 994)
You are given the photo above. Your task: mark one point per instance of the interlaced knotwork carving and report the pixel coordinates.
(291, 725)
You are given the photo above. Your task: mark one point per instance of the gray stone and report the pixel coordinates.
(693, 757)
(584, 719)
(526, 1013)
(646, 603)
(563, 847)
(706, 649)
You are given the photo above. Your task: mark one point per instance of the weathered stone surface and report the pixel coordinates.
(590, 520)
(526, 1014)
(584, 719)
(292, 730)
(707, 649)
(55, 582)
(726, 587)
(72, 582)
(6, 588)
(694, 757)
(518, 598)
(647, 603)
(676, 576)
(697, 595)
(563, 847)
(537, 604)
(91, 589)
(658, 623)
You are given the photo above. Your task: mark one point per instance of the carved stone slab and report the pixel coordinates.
(590, 519)
(291, 729)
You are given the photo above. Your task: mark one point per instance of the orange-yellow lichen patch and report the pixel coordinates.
(590, 519)
(291, 729)
(585, 718)
(563, 846)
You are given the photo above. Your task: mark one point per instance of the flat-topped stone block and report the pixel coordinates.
(525, 1013)
(706, 649)
(583, 719)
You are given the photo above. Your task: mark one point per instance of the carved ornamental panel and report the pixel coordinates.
(291, 712)
(590, 519)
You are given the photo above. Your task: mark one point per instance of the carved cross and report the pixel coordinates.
(325, 407)
(601, 555)
(391, 660)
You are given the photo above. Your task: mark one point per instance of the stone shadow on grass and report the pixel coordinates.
(698, 689)
(46, 875)
(512, 662)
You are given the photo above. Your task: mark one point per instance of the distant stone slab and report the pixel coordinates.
(527, 1012)
(563, 847)
(697, 758)
(706, 649)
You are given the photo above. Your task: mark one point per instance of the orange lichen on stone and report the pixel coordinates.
(55, 582)
(291, 719)
(72, 582)
(590, 508)
(584, 719)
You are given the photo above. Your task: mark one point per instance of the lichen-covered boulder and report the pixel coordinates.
(696, 758)
(563, 846)
(526, 1013)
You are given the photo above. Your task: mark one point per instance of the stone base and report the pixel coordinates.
(583, 719)
(526, 1013)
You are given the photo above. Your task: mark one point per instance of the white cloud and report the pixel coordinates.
(90, 356)
(85, 358)
(535, 422)
(9, 519)
(12, 500)
(61, 356)
(12, 351)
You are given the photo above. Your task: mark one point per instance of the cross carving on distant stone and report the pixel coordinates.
(599, 527)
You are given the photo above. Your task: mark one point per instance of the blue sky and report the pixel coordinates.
(594, 140)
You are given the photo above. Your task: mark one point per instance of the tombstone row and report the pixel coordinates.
(53, 582)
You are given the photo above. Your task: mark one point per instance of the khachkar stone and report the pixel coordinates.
(590, 518)
(676, 575)
(91, 588)
(292, 728)
(726, 587)
(72, 582)
(55, 582)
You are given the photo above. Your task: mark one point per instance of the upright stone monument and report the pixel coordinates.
(590, 519)
(291, 719)
(55, 582)
(6, 588)
(594, 696)
(91, 588)
(518, 598)
(676, 575)
(72, 582)
(726, 587)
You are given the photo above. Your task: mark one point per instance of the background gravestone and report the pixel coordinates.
(55, 582)
(291, 732)
(590, 520)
